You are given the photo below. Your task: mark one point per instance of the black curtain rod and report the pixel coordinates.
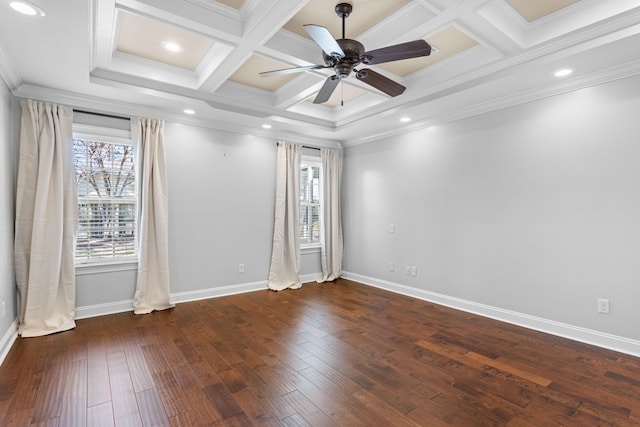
(101, 114)
(305, 146)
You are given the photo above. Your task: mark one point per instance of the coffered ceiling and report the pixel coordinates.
(112, 56)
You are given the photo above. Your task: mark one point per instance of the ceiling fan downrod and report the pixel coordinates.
(343, 10)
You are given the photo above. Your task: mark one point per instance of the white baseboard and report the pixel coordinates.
(8, 339)
(87, 311)
(218, 292)
(103, 309)
(576, 333)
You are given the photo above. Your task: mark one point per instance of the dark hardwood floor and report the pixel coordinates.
(336, 354)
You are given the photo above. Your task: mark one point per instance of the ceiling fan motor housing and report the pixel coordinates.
(353, 53)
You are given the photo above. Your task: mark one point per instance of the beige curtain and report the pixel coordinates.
(46, 220)
(153, 283)
(285, 255)
(331, 224)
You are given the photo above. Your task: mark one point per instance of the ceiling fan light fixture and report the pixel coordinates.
(266, 126)
(189, 111)
(405, 119)
(26, 8)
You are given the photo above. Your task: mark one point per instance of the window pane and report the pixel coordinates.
(309, 223)
(106, 199)
(310, 183)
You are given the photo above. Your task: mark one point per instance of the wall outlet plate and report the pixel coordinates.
(603, 306)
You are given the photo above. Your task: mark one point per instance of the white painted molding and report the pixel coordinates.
(600, 77)
(307, 278)
(575, 333)
(221, 291)
(103, 105)
(8, 339)
(96, 310)
(179, 297)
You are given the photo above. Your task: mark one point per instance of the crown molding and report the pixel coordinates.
(603, 76)
(250, 126)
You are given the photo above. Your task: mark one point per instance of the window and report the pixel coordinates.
(107, 209)
(310, 201)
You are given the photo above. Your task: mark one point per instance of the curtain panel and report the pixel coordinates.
(46, 220)
(331, 240)
(284, 272)
(153, 281)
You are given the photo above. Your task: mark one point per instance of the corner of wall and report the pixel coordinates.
(7, 340)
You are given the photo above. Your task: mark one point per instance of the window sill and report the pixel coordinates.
(106, 267)
(311, 249)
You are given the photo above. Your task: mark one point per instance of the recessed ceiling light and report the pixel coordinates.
(26, 8)
(405, 119)
(266, 126)
(563, 72)
(189, 111)
(172, 46)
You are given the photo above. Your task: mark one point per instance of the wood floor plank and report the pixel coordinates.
(151, 408)
(100, 415)
(49, 400)
(74, 400)
(168, 388)
(125, 405)
(308, 410)
(202, 410)
(337, 353)
(98, 388)
(223, 400)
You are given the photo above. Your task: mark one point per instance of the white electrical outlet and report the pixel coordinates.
(392, 266)
(392, 228)
(414, 271)
(407, 270)
(603, 305)
(240, 268)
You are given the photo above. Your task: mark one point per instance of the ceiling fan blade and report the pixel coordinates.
(327, 89)
(324, 39)
(397, 52)
(292, 70)
(380, 82)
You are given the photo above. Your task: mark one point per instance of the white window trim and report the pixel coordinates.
(96, 267)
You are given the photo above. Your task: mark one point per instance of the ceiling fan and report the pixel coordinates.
(343, 55)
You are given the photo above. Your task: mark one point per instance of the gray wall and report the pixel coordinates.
(221, 201)
(7, 160)
(533, 209)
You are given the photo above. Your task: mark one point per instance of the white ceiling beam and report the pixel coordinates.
(243, 106)
(265, 20)
(298, 89)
